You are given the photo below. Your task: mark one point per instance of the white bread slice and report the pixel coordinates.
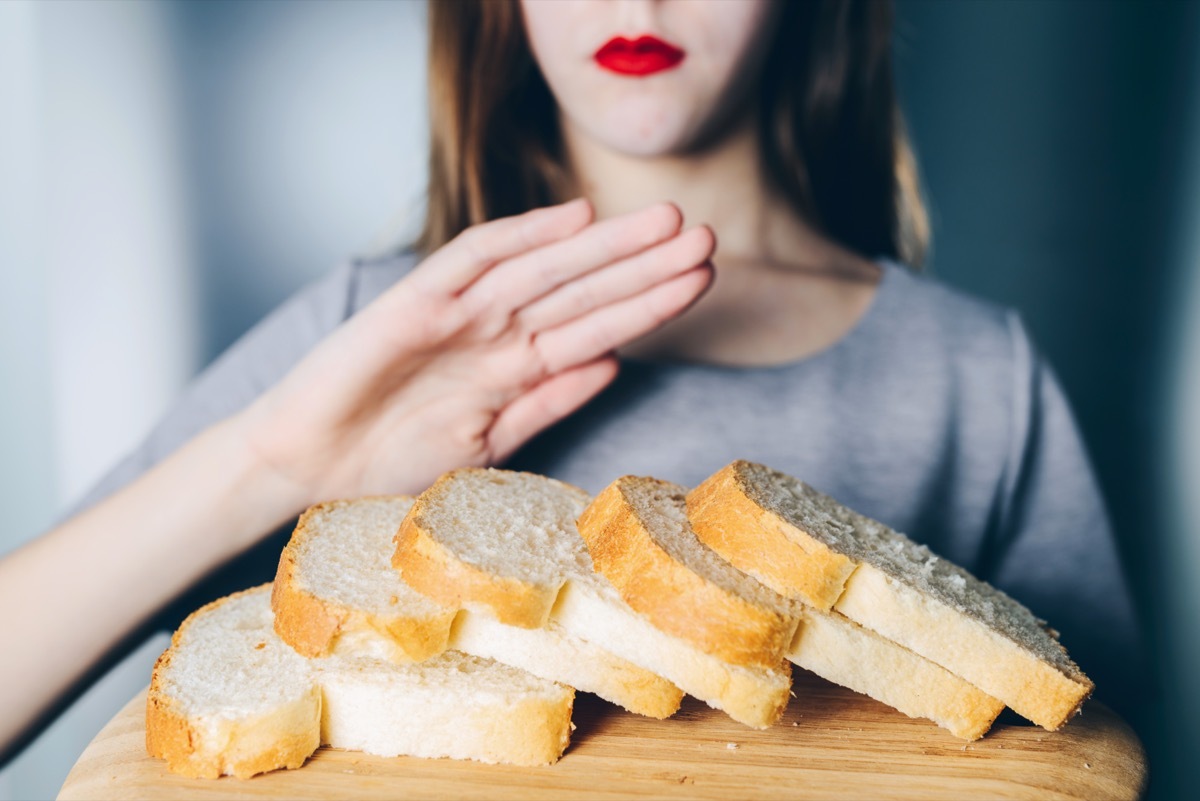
(505, 545)
(752, 696)
(454, 705)
(558, 655)
(771, 524)
(839, 650)
(337, 569)
(639, 538)
(230, 698)
(493, 540)
(335, 590)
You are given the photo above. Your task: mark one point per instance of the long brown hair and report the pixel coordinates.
(831, 133)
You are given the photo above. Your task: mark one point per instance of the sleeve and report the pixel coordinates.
(1056, 550)
(253, 364)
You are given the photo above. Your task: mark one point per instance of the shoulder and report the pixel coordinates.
(371, 276)
(928, 316)
(966, 363)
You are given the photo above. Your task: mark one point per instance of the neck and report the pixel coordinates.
(723, 186)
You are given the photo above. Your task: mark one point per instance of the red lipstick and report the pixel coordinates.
(639, 57)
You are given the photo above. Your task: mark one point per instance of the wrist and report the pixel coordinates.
(260, 496)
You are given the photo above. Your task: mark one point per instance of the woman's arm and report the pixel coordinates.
(71, 594)
(492, 338)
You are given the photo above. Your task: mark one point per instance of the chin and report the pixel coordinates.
(644, 129)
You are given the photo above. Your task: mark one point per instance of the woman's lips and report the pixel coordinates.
(644, 55)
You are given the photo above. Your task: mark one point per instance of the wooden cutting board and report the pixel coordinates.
(832, 743)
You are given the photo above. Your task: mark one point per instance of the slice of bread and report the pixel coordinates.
(230, 698)
(769, 524)
(839, 650)
(556, 654)
(336, 592)
(639, 538)
(454, 705)
(505, 545)
(493, 540)
(752, 696)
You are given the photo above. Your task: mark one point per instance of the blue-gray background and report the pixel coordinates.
(169, 172)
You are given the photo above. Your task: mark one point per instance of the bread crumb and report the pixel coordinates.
(794, 723)
(573, 726)
(260, 646)
(1087, 765)
(393, 600)
(732, 746)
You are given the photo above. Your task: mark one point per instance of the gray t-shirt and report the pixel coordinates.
(934, 414)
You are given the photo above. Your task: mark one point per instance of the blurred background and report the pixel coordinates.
(171, 171)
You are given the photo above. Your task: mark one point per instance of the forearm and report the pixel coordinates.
(72, 594)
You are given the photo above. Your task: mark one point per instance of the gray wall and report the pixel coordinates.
(1060, 144)
(172, 171)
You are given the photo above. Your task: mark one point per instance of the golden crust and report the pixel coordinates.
(530, 745)
(434, 571)
(638, 690)
(311, 624)
(669, 593)
(169, 736)
(763, 544)
(744, 699)
(302, 620)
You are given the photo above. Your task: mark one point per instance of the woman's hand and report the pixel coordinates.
(506, 329)
(494, 337)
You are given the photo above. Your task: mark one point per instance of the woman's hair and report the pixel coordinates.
(832, 137)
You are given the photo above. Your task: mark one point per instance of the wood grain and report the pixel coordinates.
(832, 743)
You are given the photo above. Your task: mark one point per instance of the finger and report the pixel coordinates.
(609, 327)
(620, 280)
(547, 403)
(531, 275)
(473, 252)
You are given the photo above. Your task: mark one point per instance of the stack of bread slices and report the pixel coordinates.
(460, 623)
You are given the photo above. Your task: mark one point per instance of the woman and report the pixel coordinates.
(769, 126)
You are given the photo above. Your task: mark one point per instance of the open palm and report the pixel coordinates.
(499, 334)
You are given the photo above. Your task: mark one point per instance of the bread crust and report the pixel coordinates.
(312, 625)
(761, 543)
(544, 743)
(431, 569)
(295, 731)
(669, 593)
(634, 688)
(302, 620)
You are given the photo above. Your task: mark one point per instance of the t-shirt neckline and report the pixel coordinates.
(890, 275)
